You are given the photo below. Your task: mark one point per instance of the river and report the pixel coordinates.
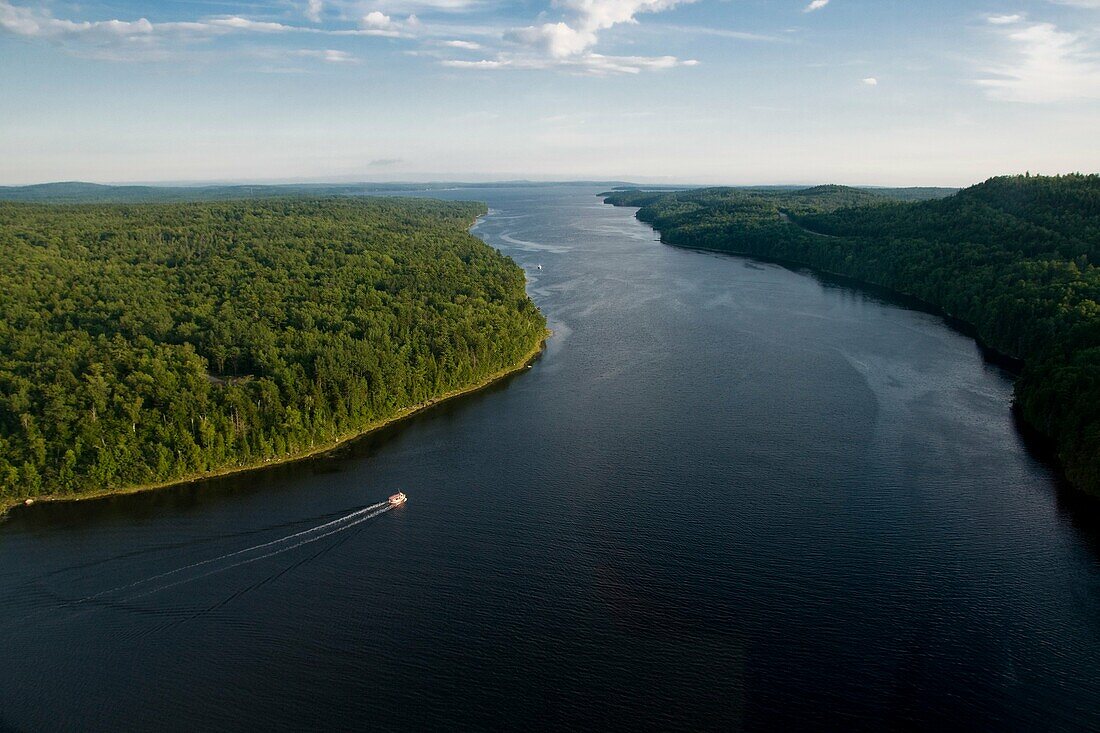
(730, 495)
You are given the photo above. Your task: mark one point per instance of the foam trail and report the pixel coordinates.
(228, 555)
(386, 506)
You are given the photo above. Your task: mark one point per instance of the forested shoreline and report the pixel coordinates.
(147, 343)
(1014, 257)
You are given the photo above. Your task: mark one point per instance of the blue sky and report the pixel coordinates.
(710, 91)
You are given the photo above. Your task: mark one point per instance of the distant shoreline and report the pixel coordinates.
(1057, 427)
(8, 505)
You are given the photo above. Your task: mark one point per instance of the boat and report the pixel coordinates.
(398, 499)
(540, 267)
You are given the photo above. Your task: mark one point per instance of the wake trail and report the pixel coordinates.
(177, 545)
(310, 535)
(226, 556)
(386, 506)
(244, 591)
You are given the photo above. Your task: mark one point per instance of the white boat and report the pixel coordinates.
(398, 499)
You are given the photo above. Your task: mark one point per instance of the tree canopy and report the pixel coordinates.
(141, 343)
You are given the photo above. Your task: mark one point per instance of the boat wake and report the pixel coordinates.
(122, 596)
(249, 554)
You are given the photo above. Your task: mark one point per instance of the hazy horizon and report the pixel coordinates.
(491, 180)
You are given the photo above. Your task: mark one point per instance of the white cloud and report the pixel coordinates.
(702, 30)
(376, 19)
(589, 63)
(569, 43)
(564, 39)
(256, 26)
(329, 56)
(378, 23)
(480, 64)
(354, 9)
(557, 39)
(314, 8)
(1005, 19)
(464, 45)
(143, 40)
(1050, 65)
(33, 23)
(594, 15)
(870, 81)
(392, 32)
(815, 5)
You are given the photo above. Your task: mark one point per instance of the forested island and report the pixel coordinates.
(1014, 257)
(141, 344)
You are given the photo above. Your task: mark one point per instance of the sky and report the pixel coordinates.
(859, 92)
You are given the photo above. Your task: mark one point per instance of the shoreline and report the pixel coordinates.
(525, 361)
(1042, 446)
(1008, 362)
(1012, 364)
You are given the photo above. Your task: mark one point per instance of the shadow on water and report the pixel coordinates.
(282, 477)
(883, 295)
(876, 294)
(1081, 510)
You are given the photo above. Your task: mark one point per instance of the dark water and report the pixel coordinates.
(728, 496)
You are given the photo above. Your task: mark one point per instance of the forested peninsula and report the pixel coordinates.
(142, 344)
(1014, 257)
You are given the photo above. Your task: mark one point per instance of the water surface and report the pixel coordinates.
(728, 496)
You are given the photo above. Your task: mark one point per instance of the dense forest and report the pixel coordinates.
(1015, 257)
(148, 342)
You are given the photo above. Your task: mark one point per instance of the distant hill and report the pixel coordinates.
(834, 190)
(919, 193)
(830, 189)
(79, 192)
(1033, 215)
